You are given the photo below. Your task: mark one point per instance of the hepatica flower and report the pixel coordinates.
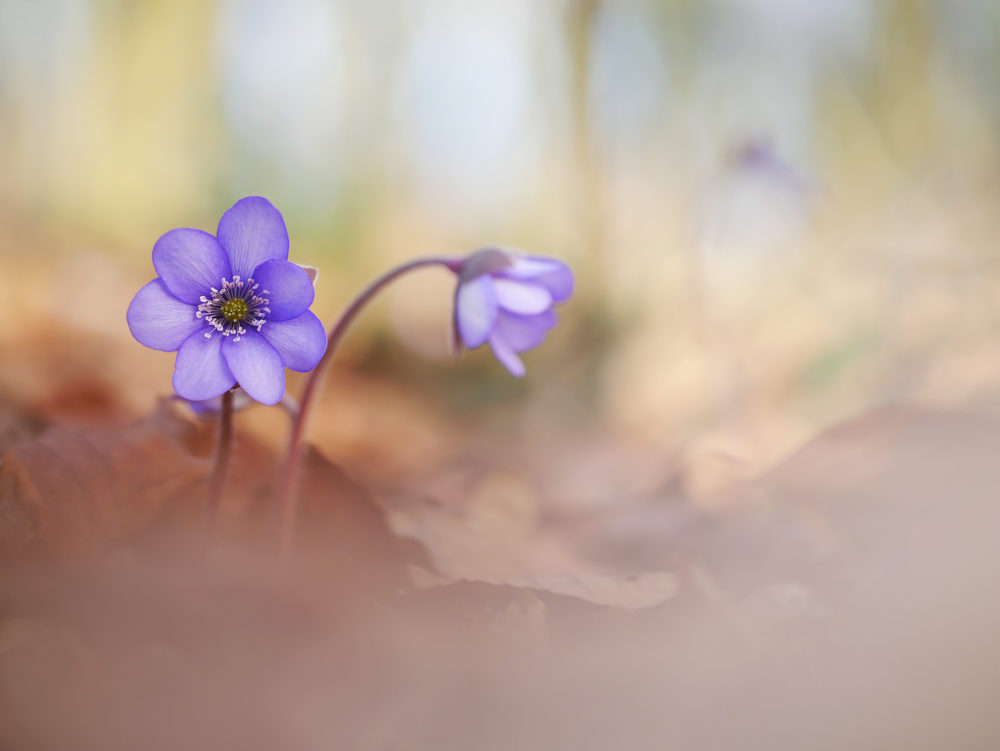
(506, 300)
(232, 306)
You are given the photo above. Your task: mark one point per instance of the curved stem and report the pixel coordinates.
(223, 451)
(290, 406)
(288, 489)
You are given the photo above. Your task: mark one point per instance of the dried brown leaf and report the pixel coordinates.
(68, 494)
(344, 529)
(623, 591)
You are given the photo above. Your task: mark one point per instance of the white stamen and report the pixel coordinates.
(211, 309)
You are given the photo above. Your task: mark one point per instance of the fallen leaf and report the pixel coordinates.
(896, 490)
(342, 527)
(70, 493)
(918, 458)
(17, 425)
(623, 591)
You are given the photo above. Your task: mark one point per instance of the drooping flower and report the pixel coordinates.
(506, 299)
(232, 306)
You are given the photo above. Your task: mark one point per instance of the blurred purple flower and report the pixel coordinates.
(506, 299)
(757, 157)
(232, 306)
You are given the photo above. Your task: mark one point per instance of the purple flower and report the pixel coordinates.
(232, 306)
(506, 299)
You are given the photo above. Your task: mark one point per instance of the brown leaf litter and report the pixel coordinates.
(850, 604)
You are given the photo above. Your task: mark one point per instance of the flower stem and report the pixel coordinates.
(224, 449)
(287, 498)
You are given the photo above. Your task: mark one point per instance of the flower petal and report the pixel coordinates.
(530, 267)
(200, 371)
(301, 342)
(287, 286)
(159, 320)
(252, 232)
(522, 297)
(524, 332)
(475, 310)
(559, 283)
(256, 365)
(507, 357)
(551, 273)
(190, 262)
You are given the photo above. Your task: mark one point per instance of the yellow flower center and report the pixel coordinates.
(235, 310)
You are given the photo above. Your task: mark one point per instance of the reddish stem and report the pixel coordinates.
(224, 449)
(288, 489)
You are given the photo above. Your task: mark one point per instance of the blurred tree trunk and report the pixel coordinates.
(588, 195)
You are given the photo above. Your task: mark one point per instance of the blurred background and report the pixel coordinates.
(781, 212)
